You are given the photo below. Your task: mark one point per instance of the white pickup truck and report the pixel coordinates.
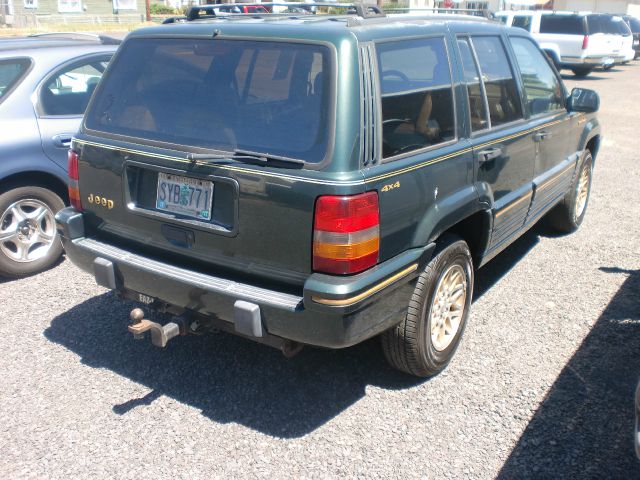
(576, 41)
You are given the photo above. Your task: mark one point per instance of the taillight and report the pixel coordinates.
(74, 190)
(346, 233)
(585, 42)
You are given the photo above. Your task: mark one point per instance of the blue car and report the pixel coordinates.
(46, 82)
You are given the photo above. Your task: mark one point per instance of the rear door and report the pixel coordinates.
(61, 101)
(504, 152)
(554, 138)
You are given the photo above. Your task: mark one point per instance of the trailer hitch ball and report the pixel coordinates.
(137, 315)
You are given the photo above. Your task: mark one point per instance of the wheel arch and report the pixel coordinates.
(553, 55)
(475, 230)
(593, 145)
(36, 179)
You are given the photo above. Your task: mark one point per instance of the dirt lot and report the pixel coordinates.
(541, 387)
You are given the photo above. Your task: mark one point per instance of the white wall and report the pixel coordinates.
(603, 6)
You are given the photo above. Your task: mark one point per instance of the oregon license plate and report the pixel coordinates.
(187, 196)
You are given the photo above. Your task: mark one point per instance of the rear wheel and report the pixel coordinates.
(426, 340)
(29, 242)
(567, 216)
(581, 72)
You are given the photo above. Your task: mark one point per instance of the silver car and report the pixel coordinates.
(46, 82)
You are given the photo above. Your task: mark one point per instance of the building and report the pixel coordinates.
(604, 6)
(35, 13)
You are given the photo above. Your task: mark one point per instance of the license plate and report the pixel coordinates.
(187, 196)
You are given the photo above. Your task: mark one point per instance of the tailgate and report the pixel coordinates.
(203, 148)
(259, 223)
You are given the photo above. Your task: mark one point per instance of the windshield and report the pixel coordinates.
(268, 97)
(11, 72)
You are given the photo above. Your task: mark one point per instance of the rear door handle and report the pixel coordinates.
(489, 154)
(62, 140)
(540, 136)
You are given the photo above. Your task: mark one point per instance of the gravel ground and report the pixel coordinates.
(542, 385)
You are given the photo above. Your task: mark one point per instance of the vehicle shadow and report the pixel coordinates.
(584, 427)
(492, 272)
(231, 379)
(573, 78)
(228, 378)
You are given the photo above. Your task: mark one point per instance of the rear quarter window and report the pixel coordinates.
(417, 100)
(11, 72)
(562, 24)
(522, 21)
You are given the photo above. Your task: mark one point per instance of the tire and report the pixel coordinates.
(567, 216)
(581, 72)
(413, 346)
(29, 242)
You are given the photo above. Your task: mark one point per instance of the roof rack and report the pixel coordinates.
(200, 12)
(103, 39)
(475, 12)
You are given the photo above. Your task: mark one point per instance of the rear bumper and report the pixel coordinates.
(587, 61)
(331, 311)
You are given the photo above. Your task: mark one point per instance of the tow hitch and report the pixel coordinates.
(160, 334)
(192, 323)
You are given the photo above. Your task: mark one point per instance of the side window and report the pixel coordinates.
(502, 95)
(69, 90)
(542, 88)
(522, 21)
(477, 106)
(563, 24)
(417, 101)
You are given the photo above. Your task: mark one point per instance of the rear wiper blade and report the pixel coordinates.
(264, 157)
(243, 156)
(193, 157)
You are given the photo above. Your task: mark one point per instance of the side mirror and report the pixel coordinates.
(583, 100)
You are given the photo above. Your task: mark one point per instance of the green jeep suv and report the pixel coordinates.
(322, 179)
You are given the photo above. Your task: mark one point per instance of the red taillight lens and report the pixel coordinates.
(585, 42)
(346, 233)
(74, 190)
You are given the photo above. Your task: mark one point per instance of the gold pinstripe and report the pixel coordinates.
(548, 181)
(373, 179)
(376, 288)
(513, 204)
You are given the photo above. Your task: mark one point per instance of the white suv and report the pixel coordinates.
(577, 41)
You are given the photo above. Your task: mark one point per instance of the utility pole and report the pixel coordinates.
(147, 9)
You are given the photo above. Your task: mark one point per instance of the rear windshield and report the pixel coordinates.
(607, 24)
(634, 24)
(11, 72)
(620, 26)
(266, 97)
(563, 24)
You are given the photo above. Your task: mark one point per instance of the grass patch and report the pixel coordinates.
(85, 28)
